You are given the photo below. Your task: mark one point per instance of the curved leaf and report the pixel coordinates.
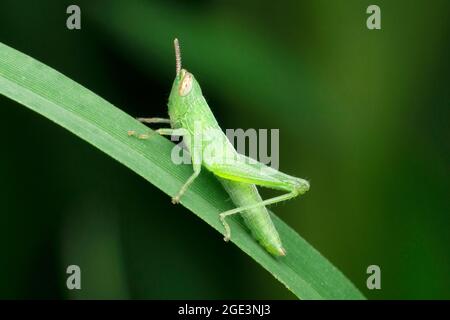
(304, 271)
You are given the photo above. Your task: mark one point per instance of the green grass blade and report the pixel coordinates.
(304, 271)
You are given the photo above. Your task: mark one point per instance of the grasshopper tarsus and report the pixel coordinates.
(140, 136)
(176, 200)
(227, 236)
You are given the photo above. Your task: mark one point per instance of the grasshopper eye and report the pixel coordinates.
(186, 83)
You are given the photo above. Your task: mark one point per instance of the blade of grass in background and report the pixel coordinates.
(304, 271)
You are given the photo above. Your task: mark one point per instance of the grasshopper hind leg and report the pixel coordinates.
(242, 171)
(225, 214)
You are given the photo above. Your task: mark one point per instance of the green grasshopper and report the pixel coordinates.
(239, 175)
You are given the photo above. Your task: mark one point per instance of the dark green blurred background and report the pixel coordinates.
(364, 115)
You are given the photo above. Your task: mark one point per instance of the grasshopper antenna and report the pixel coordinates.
(177, 55)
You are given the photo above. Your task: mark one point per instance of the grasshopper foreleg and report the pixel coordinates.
(153, 120)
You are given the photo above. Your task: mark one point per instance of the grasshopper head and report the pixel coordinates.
(185, 89)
